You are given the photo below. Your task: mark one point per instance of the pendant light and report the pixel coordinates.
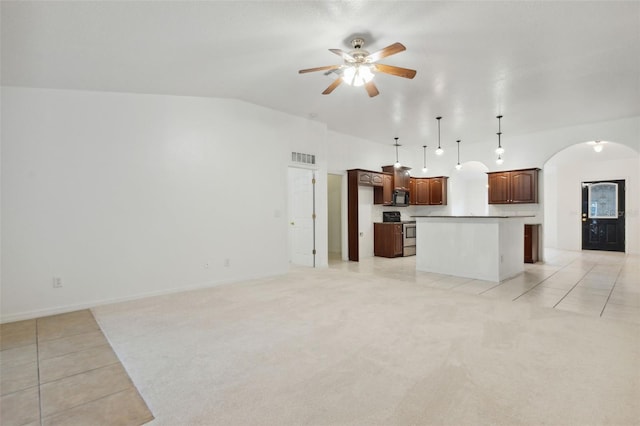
(397, 163)
(499, 149)
(439, 151)
(597, 146)
(458, 166)
(424, 168)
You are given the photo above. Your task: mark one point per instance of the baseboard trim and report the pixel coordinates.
(55, 310)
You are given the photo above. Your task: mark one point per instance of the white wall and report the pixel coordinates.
(567, 170)
(125, 195)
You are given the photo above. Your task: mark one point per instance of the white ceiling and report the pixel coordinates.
(542, 64)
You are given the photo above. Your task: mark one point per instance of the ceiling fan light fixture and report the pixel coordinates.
(360, 66)
(357, 75)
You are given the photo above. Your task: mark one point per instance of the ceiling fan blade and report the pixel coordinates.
(328, 67)
(372, 90)
(344, 55)
(387, 51)
(332, 86)
(397, 71)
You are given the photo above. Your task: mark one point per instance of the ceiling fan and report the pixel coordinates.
(359, 67)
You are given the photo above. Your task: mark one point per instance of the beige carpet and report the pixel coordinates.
(334, 347)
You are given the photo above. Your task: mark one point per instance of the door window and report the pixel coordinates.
(603, 200)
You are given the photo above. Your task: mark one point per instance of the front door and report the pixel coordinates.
(603, 215)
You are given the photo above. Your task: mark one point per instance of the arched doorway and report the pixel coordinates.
(576, 167)
(468, 195)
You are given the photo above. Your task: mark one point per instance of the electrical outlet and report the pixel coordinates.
(227, 263)
(57, 282)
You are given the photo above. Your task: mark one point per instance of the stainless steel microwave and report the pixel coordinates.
(400, 198)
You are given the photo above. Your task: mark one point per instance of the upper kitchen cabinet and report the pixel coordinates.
(421, 191)
(368, 178)
(384, 194)
(438, 191)
(429, 191)
(401, 176)
(513, 186)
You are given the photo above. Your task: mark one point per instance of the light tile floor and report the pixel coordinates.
(594, 283)
(61, 370)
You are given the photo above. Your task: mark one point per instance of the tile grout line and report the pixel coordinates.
(88, 402)
(38, 369)
(550, 277)
(611, 292)
(504, 282)
(513, 300)
(76, 351)
(72, 335)
(576, 284)
(82, 372)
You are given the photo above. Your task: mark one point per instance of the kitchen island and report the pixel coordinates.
(489, 248)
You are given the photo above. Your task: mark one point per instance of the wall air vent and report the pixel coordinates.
(298, 157)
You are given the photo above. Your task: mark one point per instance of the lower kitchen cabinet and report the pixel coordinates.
(531, 233)
(387, 239)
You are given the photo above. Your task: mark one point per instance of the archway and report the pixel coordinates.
(563, 176)
(469, 190)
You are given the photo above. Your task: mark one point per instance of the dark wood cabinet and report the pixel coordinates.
(438, 191)
(412, 191)
(401, 176)
(384, 194)
(368, 178)
(387, 239)
(499, 188)
(531, 235)
(513, 186)
(382, 184)
(524, 186)
(429, 191)
(422, 192)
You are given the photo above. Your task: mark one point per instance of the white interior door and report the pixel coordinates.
(301, 223)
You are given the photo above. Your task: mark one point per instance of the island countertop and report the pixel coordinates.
(471, 217)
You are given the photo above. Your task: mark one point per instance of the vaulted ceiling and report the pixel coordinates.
(541, 64)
